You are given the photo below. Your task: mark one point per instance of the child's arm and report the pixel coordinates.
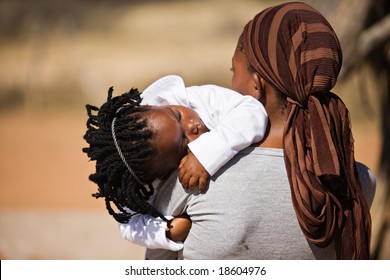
(153, 233)
(235, 122)
(179, 228)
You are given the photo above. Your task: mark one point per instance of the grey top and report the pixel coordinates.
(246, 212)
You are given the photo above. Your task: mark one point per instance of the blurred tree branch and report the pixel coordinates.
(374, 36)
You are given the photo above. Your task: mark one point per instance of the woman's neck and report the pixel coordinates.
(277, 115)
(273, 137)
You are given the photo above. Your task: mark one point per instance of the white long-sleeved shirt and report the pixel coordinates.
(235, 122)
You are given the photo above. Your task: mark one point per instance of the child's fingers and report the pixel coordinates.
(202, 184)
(183, 161)
(192, 183)
(184, 180)
(181, 174)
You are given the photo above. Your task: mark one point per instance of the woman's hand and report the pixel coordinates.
(179, 227)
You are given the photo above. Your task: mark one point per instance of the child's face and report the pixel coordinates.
(174, 127)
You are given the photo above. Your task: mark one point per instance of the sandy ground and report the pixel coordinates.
(46, 208)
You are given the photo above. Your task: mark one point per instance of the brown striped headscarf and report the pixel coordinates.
(294, 48)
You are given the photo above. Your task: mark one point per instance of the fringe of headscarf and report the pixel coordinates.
(294, 48)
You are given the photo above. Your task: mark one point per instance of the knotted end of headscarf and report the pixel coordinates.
(294, 48)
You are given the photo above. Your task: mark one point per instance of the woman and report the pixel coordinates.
(292, 50)
(301, 186)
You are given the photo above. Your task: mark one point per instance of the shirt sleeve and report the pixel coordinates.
(169, 90)
(149, 232)
(235, 122)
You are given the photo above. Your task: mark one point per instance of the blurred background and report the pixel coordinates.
(56, 56)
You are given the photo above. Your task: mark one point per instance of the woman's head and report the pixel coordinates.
(294, 48)
(133, 145)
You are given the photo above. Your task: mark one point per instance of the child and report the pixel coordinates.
(127, 166)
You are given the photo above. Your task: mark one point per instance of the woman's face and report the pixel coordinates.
(242, 79)
(174, 127)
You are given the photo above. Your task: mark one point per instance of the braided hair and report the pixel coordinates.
(116, 183)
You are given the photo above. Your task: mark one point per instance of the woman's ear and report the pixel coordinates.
(256, 80)
(259, 84)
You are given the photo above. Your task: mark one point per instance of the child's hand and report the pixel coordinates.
(192, 173)
(179, 227)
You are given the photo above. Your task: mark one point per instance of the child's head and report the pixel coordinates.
(173, 128)
(133, 145)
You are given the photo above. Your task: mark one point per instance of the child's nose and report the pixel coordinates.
(192, 131)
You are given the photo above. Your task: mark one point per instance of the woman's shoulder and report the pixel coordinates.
(367, 181)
